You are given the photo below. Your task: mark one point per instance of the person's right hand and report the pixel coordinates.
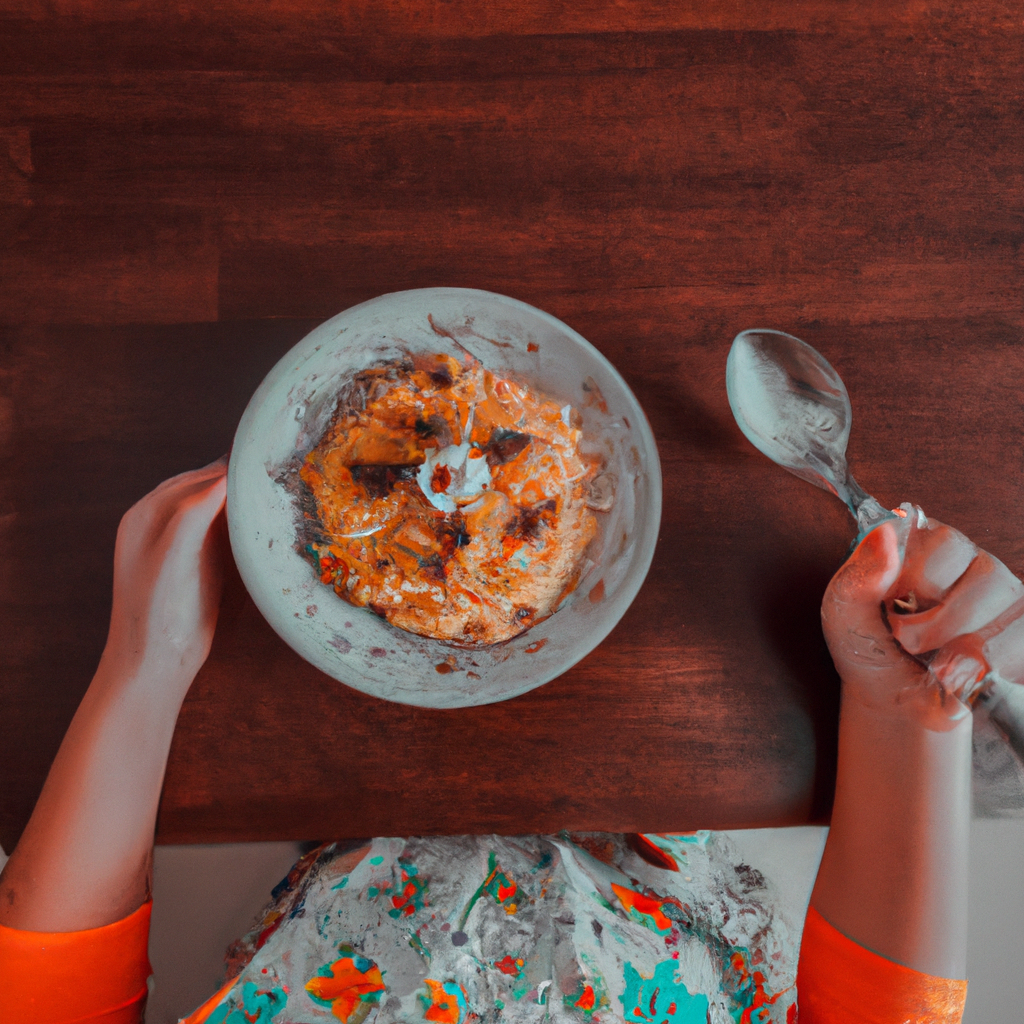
(918, 616)
(168, 575)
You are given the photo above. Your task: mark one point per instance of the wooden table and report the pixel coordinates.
(188, 188)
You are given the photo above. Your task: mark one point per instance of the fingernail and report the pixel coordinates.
(872, 547)
(915, 514)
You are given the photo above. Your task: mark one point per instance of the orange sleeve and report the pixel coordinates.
(97, 976)
(840, 982)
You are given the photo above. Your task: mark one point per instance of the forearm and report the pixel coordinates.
(894, 872)
(84, 858)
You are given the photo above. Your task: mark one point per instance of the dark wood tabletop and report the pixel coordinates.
(187, 188)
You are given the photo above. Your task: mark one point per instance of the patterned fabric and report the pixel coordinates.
(489, 929)
(844, 983)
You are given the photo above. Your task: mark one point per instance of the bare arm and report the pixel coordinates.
(85, 856)
(894, 873)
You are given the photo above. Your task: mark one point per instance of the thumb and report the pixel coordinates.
(862, 647)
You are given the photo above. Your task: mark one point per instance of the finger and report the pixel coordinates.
(195, 513)
(1004, 650)
(190, 557)
(851, 612)
(961, 666)
(985, 590)
(198, 555)
(936, 556)
(174, 519)
(214, 557)
(190, 478)
(150, 517)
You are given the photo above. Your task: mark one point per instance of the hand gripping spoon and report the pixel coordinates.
(792, 406)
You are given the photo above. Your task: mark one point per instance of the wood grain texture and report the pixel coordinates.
(186, 189)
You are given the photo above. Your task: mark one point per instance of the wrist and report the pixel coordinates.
(921, 703)
(161, 675)
(900, 718)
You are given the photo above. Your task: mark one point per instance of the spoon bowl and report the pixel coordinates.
(792, 405)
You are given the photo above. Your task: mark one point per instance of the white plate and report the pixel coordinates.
(288, 413)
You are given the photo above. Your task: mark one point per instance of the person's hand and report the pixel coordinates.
(919, 616)
(84, 858)
(168, 575)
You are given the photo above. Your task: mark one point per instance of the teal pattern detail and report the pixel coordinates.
(258, 1007)
(497, 884)
(409, 893)
(661, 998)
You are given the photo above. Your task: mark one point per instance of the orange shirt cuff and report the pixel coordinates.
(841, 982)
(97, 976)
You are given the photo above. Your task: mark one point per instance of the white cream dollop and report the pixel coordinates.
(470, 475)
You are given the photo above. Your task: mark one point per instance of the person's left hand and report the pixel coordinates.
(168, 575)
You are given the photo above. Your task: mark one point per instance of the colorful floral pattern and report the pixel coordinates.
(350, 986)
(480, 929)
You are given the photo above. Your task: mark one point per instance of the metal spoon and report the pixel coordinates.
(792, 405)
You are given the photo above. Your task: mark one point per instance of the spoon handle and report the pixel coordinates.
(868, 511)
(869, 514)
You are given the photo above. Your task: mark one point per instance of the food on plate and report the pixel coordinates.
(450, 501)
